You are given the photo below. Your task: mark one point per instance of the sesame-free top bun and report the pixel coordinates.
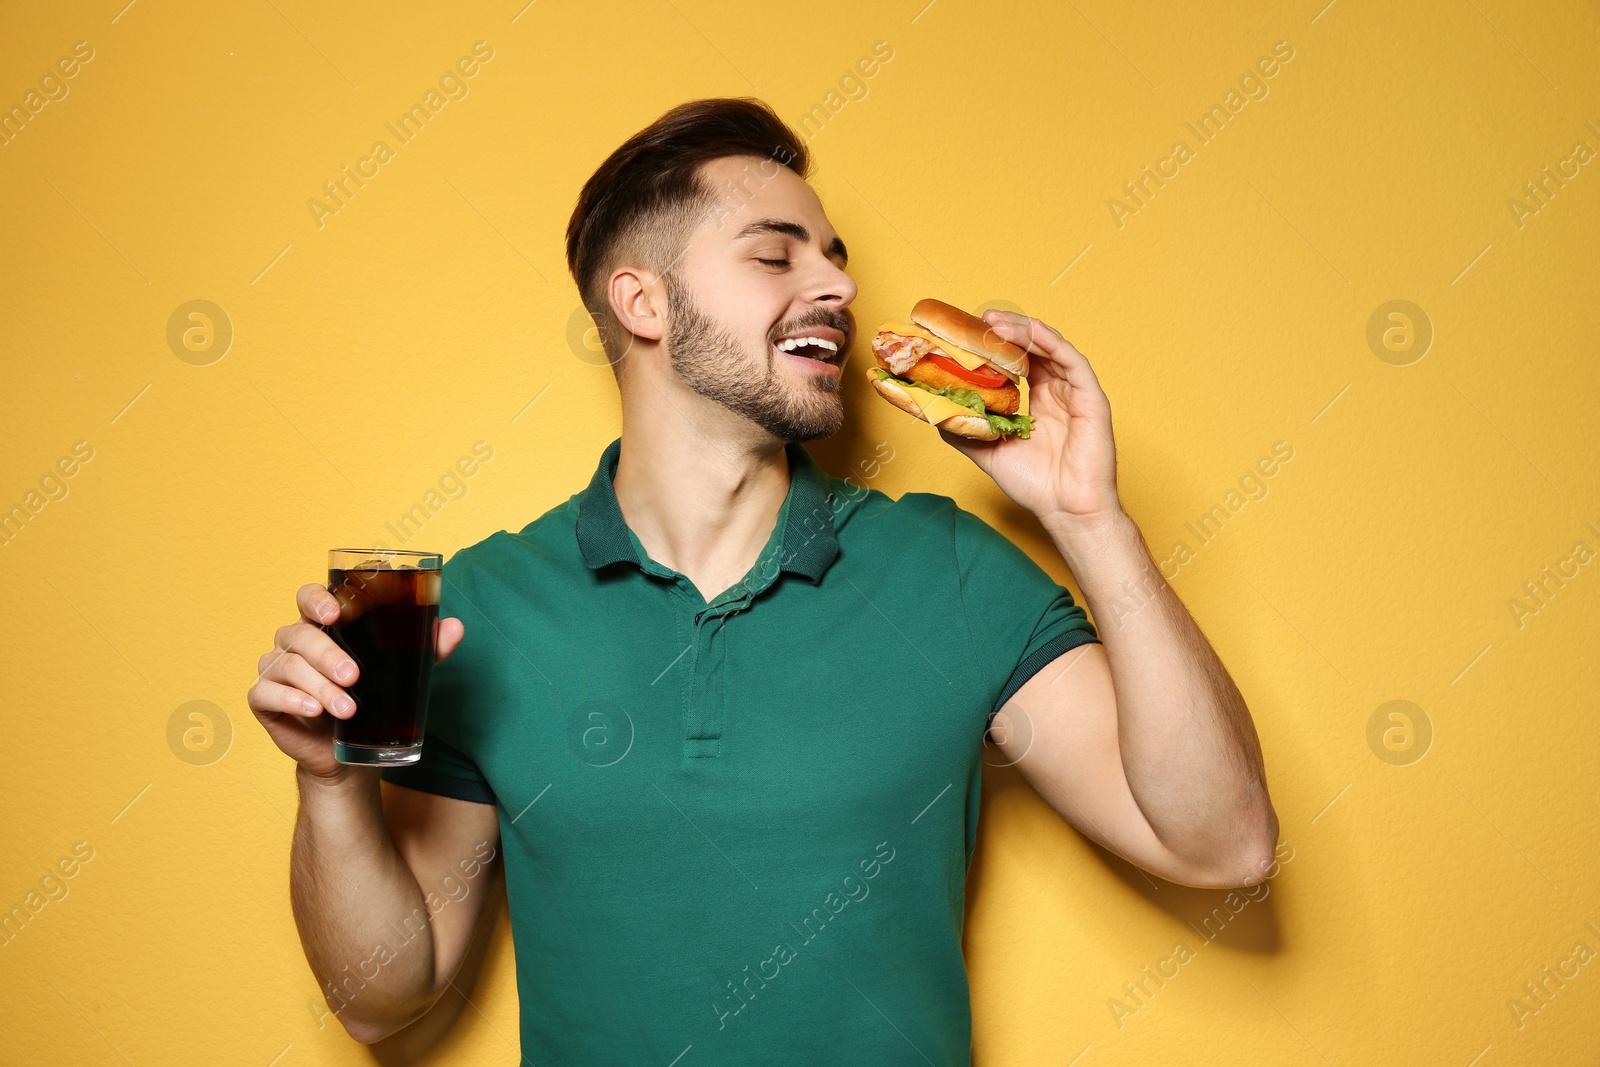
(973, 334)
(974, 426)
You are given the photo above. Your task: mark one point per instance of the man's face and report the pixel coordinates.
(767, 267)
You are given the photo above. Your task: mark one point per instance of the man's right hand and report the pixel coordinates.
(304, 675)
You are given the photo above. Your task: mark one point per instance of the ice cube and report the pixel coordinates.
(387, 586)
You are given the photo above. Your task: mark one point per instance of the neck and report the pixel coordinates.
(700, 501)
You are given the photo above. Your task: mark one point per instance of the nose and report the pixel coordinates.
(831, 287)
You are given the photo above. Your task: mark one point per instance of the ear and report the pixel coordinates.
(638, 300)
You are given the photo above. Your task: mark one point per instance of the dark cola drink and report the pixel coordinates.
(388, 605)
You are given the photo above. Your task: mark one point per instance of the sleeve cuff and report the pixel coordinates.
(441, 784)
(1036, 662)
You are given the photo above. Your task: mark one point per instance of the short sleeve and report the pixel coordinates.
(1021, 618)
(454, 708)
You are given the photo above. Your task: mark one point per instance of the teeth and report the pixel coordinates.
(793, 343)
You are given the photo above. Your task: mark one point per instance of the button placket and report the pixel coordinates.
(704, 717)
(705, 707)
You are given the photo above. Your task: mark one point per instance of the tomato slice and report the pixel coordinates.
(987, 377)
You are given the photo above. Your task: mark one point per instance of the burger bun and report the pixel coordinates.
(949, 323)
(973, 426)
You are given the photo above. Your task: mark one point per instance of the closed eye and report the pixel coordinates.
(773, 262)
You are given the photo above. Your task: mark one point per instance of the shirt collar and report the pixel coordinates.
(809, 542)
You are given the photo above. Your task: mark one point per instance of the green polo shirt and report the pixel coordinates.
(738, 832)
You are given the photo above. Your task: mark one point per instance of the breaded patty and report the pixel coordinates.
(1002, 400)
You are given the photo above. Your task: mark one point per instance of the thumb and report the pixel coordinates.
(447, 636)
(967, 446)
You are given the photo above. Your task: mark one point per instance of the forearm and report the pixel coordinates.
(1189, 748)
(359, 909)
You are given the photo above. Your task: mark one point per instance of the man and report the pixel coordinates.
(721, 713)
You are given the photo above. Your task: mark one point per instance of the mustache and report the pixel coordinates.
(838, 320)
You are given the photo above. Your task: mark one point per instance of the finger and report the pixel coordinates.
(293, 670)
(967, 446)
(317, 604)
(993, 338)
(318, 649)
(1018, 329)
(1062, 355)
(447, 635)
(269, 697)
(1043, 364)
(1015, 329)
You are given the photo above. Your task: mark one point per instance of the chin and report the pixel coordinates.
(812, 423)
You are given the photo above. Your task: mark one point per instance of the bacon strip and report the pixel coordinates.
(900, 352)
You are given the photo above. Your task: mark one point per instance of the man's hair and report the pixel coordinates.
(648, 197)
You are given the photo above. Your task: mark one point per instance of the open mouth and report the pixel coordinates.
(814, 348)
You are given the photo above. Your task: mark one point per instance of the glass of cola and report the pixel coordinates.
(388, 610)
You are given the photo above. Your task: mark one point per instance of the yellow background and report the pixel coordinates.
(1229, 313)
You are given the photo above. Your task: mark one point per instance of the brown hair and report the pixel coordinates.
(646, 199)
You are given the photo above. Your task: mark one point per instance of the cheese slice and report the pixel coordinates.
(960, 355)
(935, 408)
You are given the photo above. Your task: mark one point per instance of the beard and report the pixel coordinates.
(712, 362)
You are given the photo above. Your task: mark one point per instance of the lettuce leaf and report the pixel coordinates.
(1005, 425)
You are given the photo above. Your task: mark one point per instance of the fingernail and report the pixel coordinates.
(343, 704)
(345, 670)
(310, 706)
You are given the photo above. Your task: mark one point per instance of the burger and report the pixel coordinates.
(949, 368)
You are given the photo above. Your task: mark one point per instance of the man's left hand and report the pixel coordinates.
(1065, 470)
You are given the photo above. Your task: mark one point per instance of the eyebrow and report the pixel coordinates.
(791, 229)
